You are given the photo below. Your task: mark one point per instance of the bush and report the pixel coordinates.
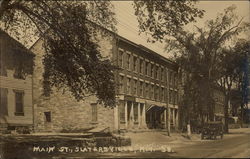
(65, 130)
(112, 141)
(6, 131)
(23, 130)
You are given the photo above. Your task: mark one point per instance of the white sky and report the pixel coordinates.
(128, 25)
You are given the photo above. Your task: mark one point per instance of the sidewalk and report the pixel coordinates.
(159, 138)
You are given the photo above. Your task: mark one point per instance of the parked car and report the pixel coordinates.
(211, 130)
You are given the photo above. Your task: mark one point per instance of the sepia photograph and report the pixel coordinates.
(124, 79)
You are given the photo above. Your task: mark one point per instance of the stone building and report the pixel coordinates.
(16, 63)
(147, 94)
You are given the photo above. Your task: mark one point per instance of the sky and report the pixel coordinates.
(128, 26)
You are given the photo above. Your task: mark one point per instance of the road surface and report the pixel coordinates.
(233, 145)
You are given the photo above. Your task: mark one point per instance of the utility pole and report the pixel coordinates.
(167, 111)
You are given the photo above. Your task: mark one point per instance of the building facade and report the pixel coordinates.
(219, 99)
(148, 88)
(16, 64)
(147, 94)
(60, 111)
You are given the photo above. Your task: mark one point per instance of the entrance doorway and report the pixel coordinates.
(155, 117)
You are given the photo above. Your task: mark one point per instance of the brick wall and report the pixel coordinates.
(66, 112)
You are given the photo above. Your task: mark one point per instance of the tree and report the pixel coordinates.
(203, 52)
(197, 52)
(234, 70)
(160, 19)
(72, 58)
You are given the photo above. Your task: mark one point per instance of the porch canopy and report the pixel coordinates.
(155, 108)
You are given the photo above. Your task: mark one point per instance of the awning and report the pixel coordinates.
(148, 107)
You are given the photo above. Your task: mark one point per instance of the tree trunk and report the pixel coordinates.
(242, 115)
(226, 112)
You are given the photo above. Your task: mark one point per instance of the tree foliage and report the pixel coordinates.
(234, 69)
(73, 59)
(162, 18)
(198, 53)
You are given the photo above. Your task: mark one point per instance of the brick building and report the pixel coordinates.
(16, 63)
(148, 90)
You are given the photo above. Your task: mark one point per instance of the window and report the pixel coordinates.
(162, 94)
(171, 79)
(146, 68)
(162, 74)
(152, 91)
(141, 89)
(19, 103)
(19, 74)
(3, 71)
(128, 61)
(152, 70)
(47, 116)
(135, 64)
(170, 97)
(156, 93)
(175, 98)
(121, 88)
(149, 69)
(156, 72)
(175, 80)
(146, 91)
(141, 66)
(166, 94)
(121, 58)
(166, 77)
(135, 87)
(3, 101)
(94, 112)
(159, 73)
(128, 86)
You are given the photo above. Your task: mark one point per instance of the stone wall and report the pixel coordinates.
(66, 112)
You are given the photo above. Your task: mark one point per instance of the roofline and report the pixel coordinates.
(142, 47)
(28, 51)
(33, 45)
